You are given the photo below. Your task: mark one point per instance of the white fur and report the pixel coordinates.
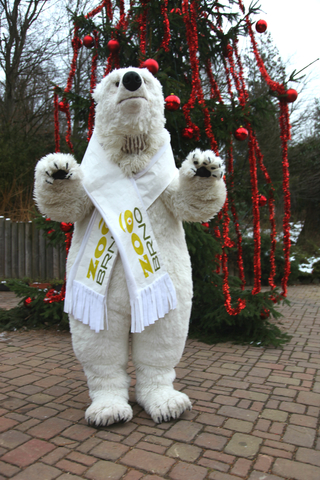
(130, 127)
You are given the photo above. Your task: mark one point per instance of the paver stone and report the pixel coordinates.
(243, 445)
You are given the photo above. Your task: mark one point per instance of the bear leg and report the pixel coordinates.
(104, 358)
(108, 388)
(155, 393)
(155, 353)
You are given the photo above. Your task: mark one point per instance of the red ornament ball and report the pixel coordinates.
(50, 231)
(88, 41)
(177, 11)
(205, 224)
(63, 107)
(261, 26)
(27, 302)
(114, 46)
(152, 65)
(65, 227)
(262, 200)
(291, 95)
(241, 133)
(172, 102)
(187, 132)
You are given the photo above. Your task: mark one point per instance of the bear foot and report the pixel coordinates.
(165, 404)
(107, 410)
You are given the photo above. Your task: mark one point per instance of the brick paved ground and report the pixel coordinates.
(255, 411)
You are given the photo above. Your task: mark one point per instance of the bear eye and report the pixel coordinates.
(117, 84)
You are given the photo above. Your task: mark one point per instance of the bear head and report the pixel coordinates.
(129, 120)
(129, 102)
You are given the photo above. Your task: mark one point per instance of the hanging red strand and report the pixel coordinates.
(256, 213)
(76, 44)
(285, 136)
(93, 80)
(271, 215)
(192, 40)
(56, 120)
(95, 11)
(51, 297)
(122, 22)
(235, 215)
(225, 286)
(243, 97)
(166, 26)
(214, 88)
(142, 21)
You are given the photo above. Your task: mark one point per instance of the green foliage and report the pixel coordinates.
(210, 321)
(51, 230)
(38, 314)
(248, 250)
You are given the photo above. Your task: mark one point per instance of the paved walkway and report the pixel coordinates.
(255, 411)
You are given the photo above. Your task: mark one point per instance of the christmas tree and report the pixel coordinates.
(192, 47)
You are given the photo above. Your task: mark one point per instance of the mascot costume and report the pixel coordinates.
(128, 266)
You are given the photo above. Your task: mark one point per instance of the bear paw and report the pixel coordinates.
(203, 164)
(57, 166)
(164, 404)
(106, 411)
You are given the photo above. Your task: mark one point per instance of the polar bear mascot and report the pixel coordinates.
(128, 266)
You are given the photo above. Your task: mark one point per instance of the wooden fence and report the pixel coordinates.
(25, 252)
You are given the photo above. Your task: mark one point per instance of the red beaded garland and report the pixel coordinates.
(56, 120)
(285, 136)
(190, 13)
(265, 313)
(93, 85)
(166, 26)
(187, 132)
(63, 107)
(177, 11)
(66, 227)
(27, 302)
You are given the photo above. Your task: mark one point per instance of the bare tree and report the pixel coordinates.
(25, 47)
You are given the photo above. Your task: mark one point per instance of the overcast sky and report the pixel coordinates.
(294, 26)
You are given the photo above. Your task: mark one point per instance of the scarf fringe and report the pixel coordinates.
(86, 306)
(152, 303)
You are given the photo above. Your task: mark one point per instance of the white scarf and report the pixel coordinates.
(120, 223)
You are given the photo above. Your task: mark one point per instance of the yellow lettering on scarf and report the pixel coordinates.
(146, 267)
(137, 244)
(92, 269)
(136, 240)
(100, 248)
(104, 229)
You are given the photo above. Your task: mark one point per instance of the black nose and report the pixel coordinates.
(132, 81)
